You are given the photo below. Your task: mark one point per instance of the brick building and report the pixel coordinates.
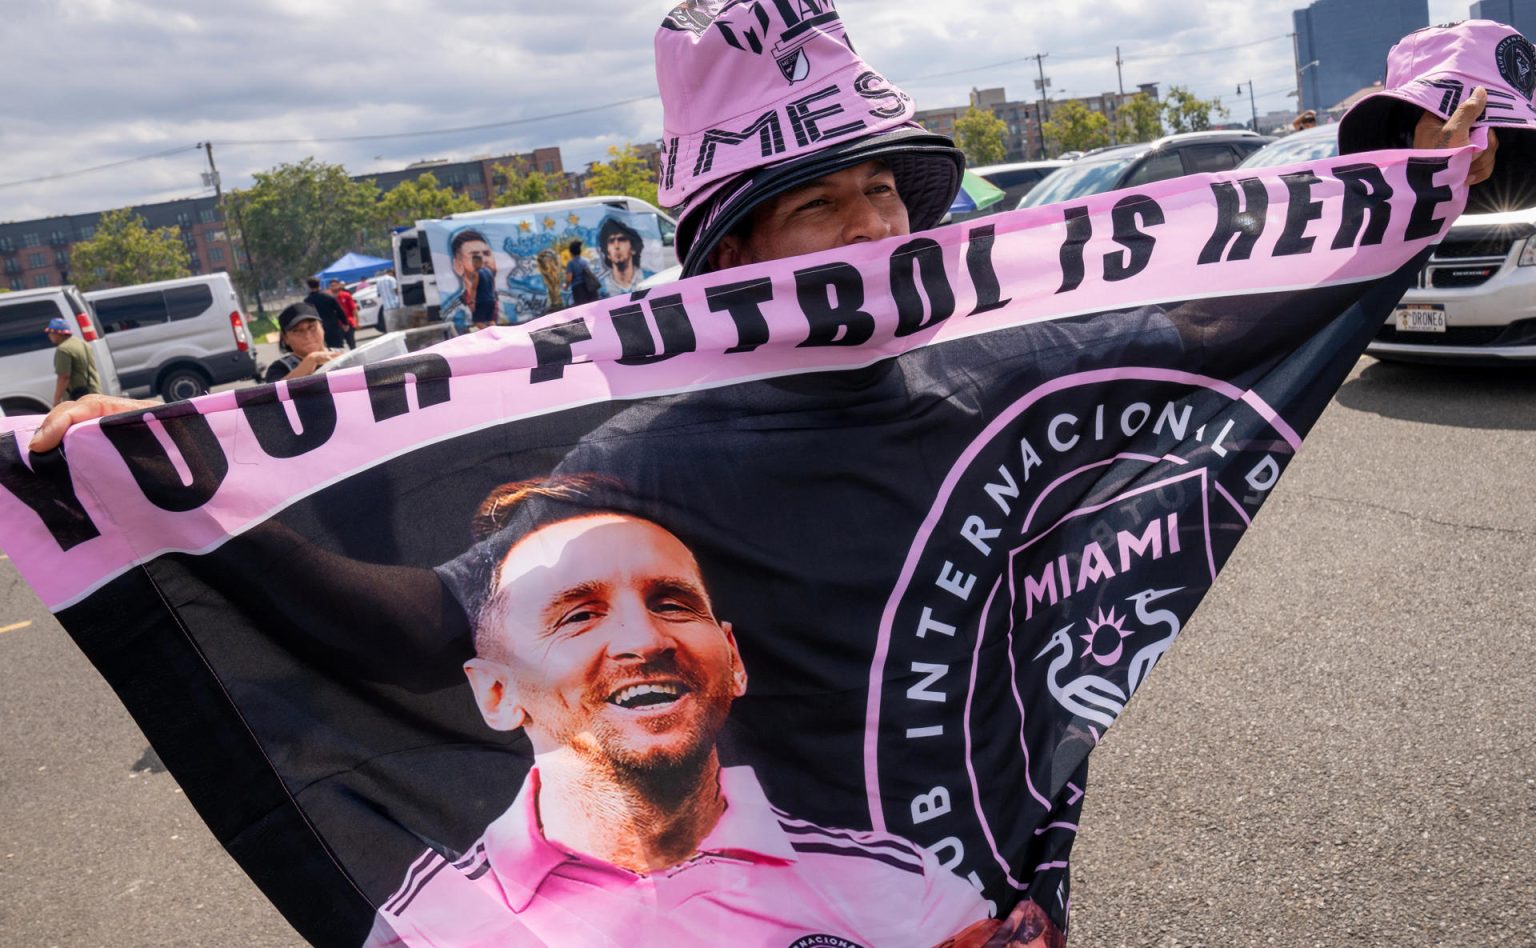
(36, 252)
(1022, 138)
(478, 178)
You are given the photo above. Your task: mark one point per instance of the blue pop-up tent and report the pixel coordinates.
(353, 266)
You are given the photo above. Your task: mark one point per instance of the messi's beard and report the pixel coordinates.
(669, 776)
(668, 772)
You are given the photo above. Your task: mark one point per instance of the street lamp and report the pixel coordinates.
(1299, 99)
(1252, 104)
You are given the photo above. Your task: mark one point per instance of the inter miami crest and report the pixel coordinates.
(1516, 59)
(1062, 557)
(800, 20)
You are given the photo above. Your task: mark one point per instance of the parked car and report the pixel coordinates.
(1126, 166)
(1321, 141)
(176, 338)
(368, 313)
(27, 378)
(1475, 300)
(1015, 179)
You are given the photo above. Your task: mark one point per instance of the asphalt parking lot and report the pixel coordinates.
(1338, 751)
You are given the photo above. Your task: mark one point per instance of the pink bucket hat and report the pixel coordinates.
(761, 96)
(1432, 70)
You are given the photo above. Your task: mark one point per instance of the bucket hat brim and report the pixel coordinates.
(927, 168)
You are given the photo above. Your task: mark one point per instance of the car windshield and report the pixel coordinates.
(1310, 145)
(1084, 176)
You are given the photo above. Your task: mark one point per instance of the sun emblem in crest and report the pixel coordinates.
(1112, 625)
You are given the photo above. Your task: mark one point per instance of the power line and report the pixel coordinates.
(1088, 59)
(1203, 52)
(956, 72)
(110, 164)
(435, 131)
(345, 138)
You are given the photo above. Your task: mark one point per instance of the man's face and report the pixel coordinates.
(607, 647)
(56, 338)
(618, 250)
(472, 255)
(846, 207)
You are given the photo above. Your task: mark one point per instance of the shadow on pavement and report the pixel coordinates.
(1502, 398)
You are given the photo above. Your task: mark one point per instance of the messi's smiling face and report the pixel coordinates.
(608, 646)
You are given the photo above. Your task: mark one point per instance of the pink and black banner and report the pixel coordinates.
(781, 606)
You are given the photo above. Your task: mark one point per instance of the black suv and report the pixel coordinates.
(1126, 166)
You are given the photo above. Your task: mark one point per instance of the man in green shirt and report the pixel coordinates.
(72, 362)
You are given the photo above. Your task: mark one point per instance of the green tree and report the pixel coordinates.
(1140, 119)
(624, 173)
(1185, 112)
(299, 217)
(525, 186)
(979, 134)
(420, 200)
(126, 252)
(1075, 127)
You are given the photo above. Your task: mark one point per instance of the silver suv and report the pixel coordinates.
(1475, 301)
(176, 338)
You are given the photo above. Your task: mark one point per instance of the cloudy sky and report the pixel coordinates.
(110, 82)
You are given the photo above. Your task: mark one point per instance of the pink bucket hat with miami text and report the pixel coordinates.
(1433, 70)
(762, 96)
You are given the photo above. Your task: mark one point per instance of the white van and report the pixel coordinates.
(27, 378)
(176, 338)
(419, 300)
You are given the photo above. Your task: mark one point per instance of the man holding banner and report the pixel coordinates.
(959, 494)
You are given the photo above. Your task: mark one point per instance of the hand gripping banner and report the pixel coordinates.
(781, 606)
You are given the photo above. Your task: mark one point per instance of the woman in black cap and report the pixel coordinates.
(302, 339)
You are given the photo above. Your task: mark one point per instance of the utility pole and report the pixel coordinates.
(1114, 123)
(212, 177)
(1042, 84)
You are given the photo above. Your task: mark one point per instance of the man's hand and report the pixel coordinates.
(64, 414)
(1456, 131)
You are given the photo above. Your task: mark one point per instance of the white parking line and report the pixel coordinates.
(14, 626)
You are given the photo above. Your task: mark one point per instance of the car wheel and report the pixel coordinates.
(22, 406)
(182, 383)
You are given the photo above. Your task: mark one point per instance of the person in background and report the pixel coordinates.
(301, 336)
(389, 295)
(482, 292)
(579, 278)
(72, 362)
(349, 309)
(1304, 121)
(332, 318)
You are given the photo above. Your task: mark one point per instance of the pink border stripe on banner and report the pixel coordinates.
(773, 319)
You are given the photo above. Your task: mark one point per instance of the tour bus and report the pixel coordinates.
(420, 298)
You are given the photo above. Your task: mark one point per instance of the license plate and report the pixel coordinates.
(1421, 318)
